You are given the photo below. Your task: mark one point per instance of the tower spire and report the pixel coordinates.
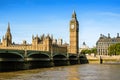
(8, 29)
(74, 14)
(8, 36)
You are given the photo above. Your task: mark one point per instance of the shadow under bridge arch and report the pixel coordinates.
(37, 56)
(60, 60)
(11, 56)
(10, 61)
(83, 59)
(73, 59)
(38, 60)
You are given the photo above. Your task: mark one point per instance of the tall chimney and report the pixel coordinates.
(60, 41)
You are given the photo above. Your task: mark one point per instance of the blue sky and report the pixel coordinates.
(29, 17)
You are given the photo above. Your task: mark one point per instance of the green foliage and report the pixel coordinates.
(114, 49)
(87, 51)
(84, 51)
(94, 50)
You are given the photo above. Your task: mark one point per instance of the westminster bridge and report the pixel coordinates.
(28, 59)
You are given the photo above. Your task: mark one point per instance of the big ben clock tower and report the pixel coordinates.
(74, 35)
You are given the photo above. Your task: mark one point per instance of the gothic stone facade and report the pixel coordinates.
(104, 43)
(74, 34)
(42, 43)
(45, 43)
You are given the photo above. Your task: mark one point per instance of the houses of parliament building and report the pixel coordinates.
(46, 43)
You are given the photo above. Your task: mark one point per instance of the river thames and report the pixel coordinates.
(74, 72)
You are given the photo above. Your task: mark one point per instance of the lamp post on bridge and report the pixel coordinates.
(51, 57)
(26, 64)
(25, 54)
(51, 54)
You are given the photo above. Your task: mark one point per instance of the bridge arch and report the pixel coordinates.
(83, 59)
(59, 54)
(38, 55)
(73, 56)
(73, 59)
(11, 60)
(59, 57)
(11, 55)
(38, 59)
(81, 56)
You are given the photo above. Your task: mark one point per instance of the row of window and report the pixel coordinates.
(102, 51)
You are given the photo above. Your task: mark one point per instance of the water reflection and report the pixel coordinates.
(75, 72)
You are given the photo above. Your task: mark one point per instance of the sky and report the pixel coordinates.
(32, 17)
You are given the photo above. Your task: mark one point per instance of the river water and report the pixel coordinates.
(74, 72)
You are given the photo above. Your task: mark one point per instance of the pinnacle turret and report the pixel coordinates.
(8, 33)
(8, 29)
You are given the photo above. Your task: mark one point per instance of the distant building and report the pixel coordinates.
(46, 43)
(104, 43)
(84, 47)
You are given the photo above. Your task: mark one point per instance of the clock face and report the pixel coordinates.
(72, 26)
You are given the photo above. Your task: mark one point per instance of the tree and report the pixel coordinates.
(86, 51)
(114, 49)
(118, 49)
(83, 52)
(94, 50)
(89, 51)
(111, 50)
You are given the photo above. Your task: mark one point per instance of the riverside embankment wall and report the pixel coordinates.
(98, 59)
